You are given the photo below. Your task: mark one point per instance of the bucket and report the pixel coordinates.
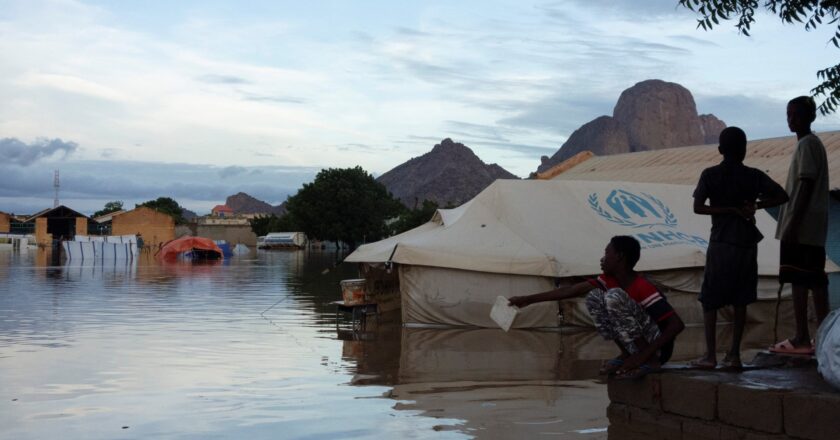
(353, 291)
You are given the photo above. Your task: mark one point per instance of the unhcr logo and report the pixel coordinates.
(644, 211)
(632, 210)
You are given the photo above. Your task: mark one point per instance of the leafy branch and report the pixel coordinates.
(811, 13)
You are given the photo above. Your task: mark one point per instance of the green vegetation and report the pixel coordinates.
(262, 225)
(811, 13)
(412, 218)
(167, 205)
(343, 205)
(116, 205)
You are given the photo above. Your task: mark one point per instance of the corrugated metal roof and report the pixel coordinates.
(683, 165)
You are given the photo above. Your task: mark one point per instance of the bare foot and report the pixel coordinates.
(704, 363)
(732, 361)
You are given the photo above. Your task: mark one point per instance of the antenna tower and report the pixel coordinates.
(55, 185)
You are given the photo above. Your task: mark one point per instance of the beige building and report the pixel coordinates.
(155, 227)
(60, 223)
(231, 233)
(5, 222)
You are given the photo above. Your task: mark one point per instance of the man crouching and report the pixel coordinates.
(626, 308)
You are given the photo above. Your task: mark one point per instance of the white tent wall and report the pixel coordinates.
(435, 295)
(516, 237)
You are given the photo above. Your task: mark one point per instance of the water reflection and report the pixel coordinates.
(250, 348)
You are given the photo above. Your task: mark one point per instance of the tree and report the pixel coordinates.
(811, 13)
(116, 205)
(166, 205)
(263, 224)
(412, 218)
(343, 204)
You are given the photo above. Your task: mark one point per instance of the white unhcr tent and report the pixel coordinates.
(522, 237)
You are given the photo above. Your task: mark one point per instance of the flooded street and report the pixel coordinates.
(251, 349)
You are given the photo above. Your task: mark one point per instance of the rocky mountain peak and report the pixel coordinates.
(450, 174)
(242, 203)
(650, 115)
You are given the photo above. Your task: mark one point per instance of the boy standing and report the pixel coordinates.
(734, 192)
(803, 226)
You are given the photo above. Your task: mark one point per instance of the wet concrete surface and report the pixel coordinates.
(774, 397)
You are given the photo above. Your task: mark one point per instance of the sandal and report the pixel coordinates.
(787, 347)
(637, 373)
(611, 366)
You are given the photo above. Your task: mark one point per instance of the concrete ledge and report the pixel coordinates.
(812, 416)
(644, 393)
(750, 407)
(690, 396)
(786, 400)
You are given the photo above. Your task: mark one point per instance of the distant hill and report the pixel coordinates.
(187, 214)
(242, 203)
(450, 174)
(651, 115)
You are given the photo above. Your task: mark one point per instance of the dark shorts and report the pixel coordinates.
(730, 276)
(802, 265)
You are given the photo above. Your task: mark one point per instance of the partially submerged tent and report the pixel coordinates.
(523, 237)
(196, 247)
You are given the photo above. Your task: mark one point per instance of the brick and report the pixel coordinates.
(764, 436)
(731, 433)
(655, 423)
(624, 432)
(640, 393)
(689, 396)
(618, 413)
(694, 429)
(812, 416)
(751, 407)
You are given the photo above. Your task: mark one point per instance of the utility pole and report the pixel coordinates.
(55, 185)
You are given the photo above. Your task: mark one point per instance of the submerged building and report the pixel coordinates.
(155, 227)
(5, 222)
(60, 223)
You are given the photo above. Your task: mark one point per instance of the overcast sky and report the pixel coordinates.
(198, 100)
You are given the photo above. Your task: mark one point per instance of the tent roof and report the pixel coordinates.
(559, 228)
(683, 165)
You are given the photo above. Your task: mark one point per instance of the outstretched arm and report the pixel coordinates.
(561, 293)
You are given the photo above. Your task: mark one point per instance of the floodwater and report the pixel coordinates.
(252, 348)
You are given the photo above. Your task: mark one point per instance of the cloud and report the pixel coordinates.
(521, 149)
(561, 113)
(231, 171)
(91, 183)
(14, 151)
(222, 79)
(761, 117)
(278, 99)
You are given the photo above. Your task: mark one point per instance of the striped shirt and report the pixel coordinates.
(643, 292)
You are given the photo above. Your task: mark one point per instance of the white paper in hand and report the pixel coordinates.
(502, 313)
